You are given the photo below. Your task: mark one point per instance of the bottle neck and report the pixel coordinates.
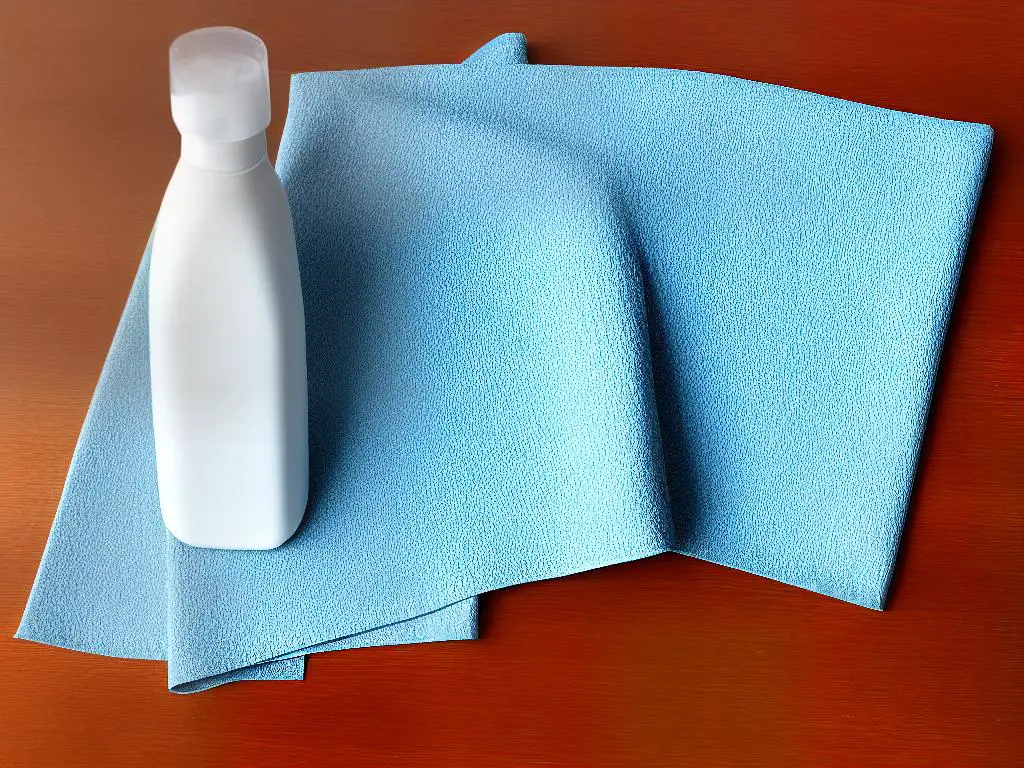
(232, 157)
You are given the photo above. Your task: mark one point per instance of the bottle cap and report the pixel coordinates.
(220, 84)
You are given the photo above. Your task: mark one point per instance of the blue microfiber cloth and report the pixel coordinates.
(558, 318)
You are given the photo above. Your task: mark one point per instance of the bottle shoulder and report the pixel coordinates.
(210, 193)
(209, 211)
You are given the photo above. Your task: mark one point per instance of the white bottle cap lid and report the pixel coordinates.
(220, 84)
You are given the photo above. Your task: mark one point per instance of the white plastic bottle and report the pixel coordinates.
(226, 327)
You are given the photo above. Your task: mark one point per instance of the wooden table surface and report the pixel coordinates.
(668, 661)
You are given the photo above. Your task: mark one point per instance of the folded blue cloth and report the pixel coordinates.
(558, 318)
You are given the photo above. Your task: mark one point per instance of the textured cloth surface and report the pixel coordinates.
(557, 318)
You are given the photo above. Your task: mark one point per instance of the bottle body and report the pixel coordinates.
(227, 354)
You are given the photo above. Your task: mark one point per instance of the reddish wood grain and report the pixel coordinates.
(663, 662)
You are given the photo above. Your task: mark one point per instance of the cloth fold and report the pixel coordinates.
(557, 318)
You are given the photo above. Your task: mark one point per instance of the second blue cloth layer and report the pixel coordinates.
(557, 318)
